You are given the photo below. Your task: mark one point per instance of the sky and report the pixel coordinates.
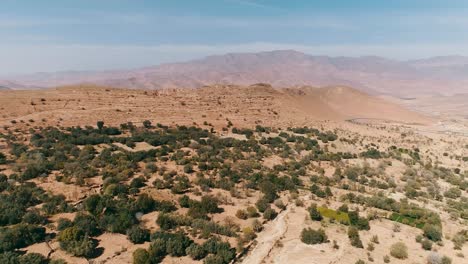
(61, 35)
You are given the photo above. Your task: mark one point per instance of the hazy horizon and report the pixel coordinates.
(10, 75)
(52, 35)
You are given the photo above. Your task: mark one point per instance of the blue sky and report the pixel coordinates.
(56, 35)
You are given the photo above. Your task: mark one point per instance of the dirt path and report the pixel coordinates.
(267, 239)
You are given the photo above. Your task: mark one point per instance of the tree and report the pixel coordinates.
(100, 125)
(311, 236)
(314, 213)
(147, 124)
(399, 250)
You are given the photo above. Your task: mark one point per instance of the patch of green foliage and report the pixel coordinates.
(338, 216)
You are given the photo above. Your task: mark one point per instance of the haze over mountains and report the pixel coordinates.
(438, 75)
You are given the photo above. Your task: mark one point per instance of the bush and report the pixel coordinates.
(2, 158)
(188, 168)
(354, 237)
(140, 256)
(33, 258)
(57, 261)
(196, 252)
(314, 213)
(435, 258)
(207, 205)
(311, 236)
(399, 250)
(77, 243)
(446, 260)
(157, 251)
(262, 204)
(34, 217)
(166, 221)
(459, 239)
(426, 244)
(269, 214)
(138, 235)
(87, 223)
(20, 236)
(279, 203)
(432, 232)
(241, 214)
(169, 244)
(453, 193)
(252, 211)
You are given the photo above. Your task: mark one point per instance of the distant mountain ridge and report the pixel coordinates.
(438, 75)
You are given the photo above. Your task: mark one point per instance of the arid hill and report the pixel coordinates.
(438, 75)
(257, 104)
(227, 174)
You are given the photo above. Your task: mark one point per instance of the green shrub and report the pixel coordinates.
(138, 235)
(196, 252)
(77, 243)
(2, 158)
(141, 256)
(269, 214)
(57, 261)
(252, 211)
(33, 258)
(314, 213)
(311, 236)
(432, 232)
(20, 236)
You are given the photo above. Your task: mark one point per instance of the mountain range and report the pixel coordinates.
(446, 75)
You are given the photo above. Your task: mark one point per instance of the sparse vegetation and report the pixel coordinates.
(207, 192)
